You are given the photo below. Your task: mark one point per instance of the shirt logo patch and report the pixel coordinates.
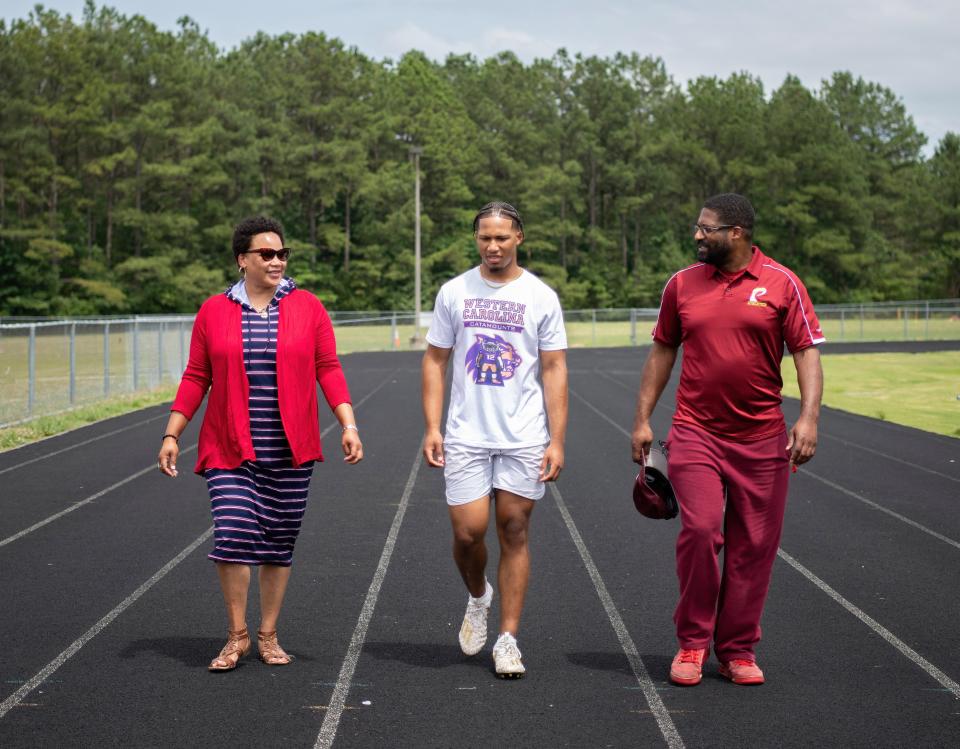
(755, 295)
(492, 361)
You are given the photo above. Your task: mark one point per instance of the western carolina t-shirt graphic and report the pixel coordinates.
(497, 334)
(491, 360)
(494, 314)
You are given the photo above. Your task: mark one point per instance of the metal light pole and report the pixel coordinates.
(415, 151)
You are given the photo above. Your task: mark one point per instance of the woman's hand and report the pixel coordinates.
(352, 446)
(167, 459)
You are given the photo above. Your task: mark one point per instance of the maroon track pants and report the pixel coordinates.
(732, 496)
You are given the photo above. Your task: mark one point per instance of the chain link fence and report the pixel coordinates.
(48, 366)
(924, 320)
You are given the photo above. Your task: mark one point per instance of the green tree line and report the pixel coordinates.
(127, 153)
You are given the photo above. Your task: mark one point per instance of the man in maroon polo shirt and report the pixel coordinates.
(729, 453)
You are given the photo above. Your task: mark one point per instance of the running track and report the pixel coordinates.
(112, 611)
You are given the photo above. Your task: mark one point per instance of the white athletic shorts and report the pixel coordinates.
(474, 472)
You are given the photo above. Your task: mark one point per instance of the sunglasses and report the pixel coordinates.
(270, 254)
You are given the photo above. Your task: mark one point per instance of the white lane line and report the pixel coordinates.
(51, 667)
(659, 710)
(848, 443)
(807, 472)
(606, 375)
(331, 720)
(80, 444)
(881, 508)
(14, 699)
(365, 398)
(599, 413)
(88, 500)
(887, 456)
(944, 680)
(138, 474)
(873, 624)
(594, 370)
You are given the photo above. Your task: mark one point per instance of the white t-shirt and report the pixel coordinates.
(496, 334)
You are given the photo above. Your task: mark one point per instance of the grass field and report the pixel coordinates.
(47, 426)
(918, 390)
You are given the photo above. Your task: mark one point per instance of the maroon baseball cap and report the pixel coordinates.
(653, 494)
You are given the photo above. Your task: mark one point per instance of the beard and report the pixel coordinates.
(504, 267)
(714, 252)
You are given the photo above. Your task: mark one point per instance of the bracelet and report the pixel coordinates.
(345, 427)
(175, 438)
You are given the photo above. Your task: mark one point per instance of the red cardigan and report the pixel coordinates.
(306, 355)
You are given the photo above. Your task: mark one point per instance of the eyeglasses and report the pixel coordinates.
(270, 254)
(708, 230)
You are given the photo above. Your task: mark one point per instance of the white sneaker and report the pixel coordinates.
(506, 657)
(473, 631)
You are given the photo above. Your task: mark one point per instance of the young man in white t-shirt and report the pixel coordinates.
(505, 433)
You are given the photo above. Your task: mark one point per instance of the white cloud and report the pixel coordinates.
(410, 36)
(524, 45)
(491, 41)
(909, 46)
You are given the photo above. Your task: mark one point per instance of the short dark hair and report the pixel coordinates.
(734, 209)
(496, 209)
(249, 228)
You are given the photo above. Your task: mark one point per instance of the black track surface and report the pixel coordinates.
(141, 680)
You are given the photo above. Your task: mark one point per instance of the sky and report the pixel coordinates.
(911, 47)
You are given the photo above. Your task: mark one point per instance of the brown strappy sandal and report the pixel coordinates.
(232, 652)
(270, 651)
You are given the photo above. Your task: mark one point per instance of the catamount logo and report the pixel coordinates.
(755, 295)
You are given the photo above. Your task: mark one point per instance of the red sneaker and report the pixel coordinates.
(686, 669)
(742, 671)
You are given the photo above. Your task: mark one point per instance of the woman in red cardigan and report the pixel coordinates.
(259, 349)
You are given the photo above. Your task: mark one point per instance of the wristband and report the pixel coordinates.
(175, 438)
(345, 427)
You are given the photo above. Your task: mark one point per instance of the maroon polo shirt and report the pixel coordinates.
(733, 328)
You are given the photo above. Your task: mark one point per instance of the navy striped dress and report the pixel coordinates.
(257, 508)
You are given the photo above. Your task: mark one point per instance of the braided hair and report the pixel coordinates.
(498, 209)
